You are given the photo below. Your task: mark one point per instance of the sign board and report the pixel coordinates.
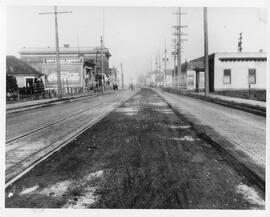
(63, 60)
(71, 75)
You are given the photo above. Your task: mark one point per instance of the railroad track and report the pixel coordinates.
(13, 173)
(48, 125)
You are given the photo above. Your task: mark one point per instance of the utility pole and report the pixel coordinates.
(96, 74)
(206, 63)
(174, 55)
(174, 67)
(151, 64)
(165, 64)
(101, 49)
(102, 46)
(59, 88)
(179, 41)
(179, 68)
(156, 71)
(159, 60)
(240, 42)
(156, 63)
(122, 75)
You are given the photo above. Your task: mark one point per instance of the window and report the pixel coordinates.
(252, 76)
(227, 76)
(190, 81)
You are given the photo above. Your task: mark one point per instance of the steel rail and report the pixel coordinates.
(20, 174)
(48, 125)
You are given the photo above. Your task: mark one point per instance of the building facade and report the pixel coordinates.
(168, 77)
(229, 71)
(25, 74)
(78, 66)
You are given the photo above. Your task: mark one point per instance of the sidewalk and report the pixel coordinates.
(251, 106)
(241, 134)
(234, 99)
(21, 106)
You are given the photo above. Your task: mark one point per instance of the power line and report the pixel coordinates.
(59, 88)
(240, 42)
(122, 75)
(206, 63)
(178, 41)
(103, 24)
(165, 64)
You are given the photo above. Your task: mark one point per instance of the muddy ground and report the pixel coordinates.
(140, 156)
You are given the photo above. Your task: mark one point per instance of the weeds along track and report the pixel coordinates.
(13, 173)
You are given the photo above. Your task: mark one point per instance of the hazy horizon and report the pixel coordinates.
(136, 35)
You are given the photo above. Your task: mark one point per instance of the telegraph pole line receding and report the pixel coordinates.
(122, 75)
(179, 41)
(165, 64)
(59, 86)
(156, 63)
(179, 48)
(206, 63)
(159, 60)
(101, 51)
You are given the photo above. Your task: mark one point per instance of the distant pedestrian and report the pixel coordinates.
(131, 86)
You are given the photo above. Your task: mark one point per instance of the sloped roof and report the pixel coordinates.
(198, 63)
(15, 66)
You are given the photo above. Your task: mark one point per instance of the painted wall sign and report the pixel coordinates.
(71, 74)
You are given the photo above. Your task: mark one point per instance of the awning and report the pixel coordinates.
(242, 59)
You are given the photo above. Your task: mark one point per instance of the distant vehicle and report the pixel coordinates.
(115, 86)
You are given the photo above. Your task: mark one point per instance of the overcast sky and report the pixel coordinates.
(136, 35)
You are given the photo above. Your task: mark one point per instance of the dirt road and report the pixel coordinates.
(140, 156)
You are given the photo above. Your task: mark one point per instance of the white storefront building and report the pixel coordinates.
(229, 71)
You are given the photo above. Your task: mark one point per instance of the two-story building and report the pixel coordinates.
(78, 66)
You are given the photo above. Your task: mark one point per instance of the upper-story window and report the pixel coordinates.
(227, 76)
(252, 76)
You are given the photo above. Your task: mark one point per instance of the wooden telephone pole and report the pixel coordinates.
(122, 75)
(59, 88)
(240, 42)
(178, 42)
(206, 62)
(165, 65)
(102, 60)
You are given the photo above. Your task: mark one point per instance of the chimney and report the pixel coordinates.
(261, 50)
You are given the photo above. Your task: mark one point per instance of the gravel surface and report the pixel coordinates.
(140, 156)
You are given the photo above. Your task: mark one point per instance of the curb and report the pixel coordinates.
(257, 110)
(13, 179)
(50, 103)
(232, 157)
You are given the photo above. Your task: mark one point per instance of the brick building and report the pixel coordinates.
(78, 66)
